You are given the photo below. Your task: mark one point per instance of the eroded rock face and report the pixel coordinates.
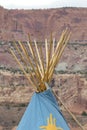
(14, 128)
(18, 95)
(1, 128)
(84, 97)
(84, 94)
(72, 89)
(14, 24)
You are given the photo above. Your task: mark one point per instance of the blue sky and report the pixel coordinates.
(35, 4)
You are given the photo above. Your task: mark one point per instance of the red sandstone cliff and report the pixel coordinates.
(40, 23)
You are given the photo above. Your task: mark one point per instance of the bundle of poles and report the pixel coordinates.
(40, 63)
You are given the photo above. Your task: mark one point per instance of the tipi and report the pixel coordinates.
(43, 112)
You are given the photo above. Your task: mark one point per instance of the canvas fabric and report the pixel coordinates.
(39, 109)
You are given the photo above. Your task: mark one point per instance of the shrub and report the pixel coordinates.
(84, 113)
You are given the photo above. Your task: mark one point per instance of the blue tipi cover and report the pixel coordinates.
(39, 110)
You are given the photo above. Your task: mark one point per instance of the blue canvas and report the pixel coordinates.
(39, 109)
